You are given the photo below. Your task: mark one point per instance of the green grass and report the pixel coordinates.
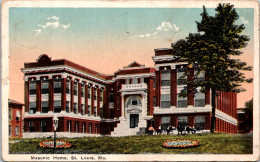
(209, 143)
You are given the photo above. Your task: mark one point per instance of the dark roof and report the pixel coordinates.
(13, 102)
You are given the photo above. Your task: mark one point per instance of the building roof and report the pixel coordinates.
(13, 102)
(45, 60)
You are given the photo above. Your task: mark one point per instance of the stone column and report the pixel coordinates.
(122, 105)
(38, 96)
(63, 94)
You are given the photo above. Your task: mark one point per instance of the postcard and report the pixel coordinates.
(130, 80)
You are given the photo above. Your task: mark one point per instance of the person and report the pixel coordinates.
(169, 129)
(151, 130)
(159, 130)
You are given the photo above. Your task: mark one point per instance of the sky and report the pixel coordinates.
(105, 39)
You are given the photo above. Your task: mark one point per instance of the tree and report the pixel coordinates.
(249, 115)
(213, 50)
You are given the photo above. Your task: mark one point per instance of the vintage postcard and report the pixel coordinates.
(130, 80)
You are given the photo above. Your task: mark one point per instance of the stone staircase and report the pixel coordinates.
(123, 129)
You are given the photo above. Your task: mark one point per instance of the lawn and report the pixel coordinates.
(209, 143)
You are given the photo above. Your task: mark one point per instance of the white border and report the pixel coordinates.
(125, 4)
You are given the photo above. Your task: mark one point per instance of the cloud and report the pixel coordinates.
(53, 18)
(53, 23)
(38, 31)
(164, 26)
(244, 21)
(176, 27)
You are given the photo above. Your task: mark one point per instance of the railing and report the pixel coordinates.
(134, 86)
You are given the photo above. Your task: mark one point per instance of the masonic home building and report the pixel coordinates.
(88, 103)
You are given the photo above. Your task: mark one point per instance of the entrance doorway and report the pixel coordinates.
(134, 120)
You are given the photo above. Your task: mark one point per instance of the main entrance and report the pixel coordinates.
(134, 120)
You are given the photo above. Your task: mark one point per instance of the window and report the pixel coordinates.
(45, 87)
(199, 76)
(82, 109)
(154, 101)
(96, 125)
(181, 101)
(111, 97)
(43, 126)
(166, 77)
(9, 114)
(32, 88)
(101, 112)
(95, 94)
(75, 90)
(57, 86)
(165, 100)
(31, 126)
(127, 80)
(77, 126)
(18, 115)
(181, 80)
(69, 126)
(101, 96)
(83, 127)
(95, 111)
(89, 110)
(10, 130)
(89, 92)
(57, 106)
(68, 86)
(134, 101)
(32, 107)
(165, 122)
(183, 120)
(75, 108)
(199, 122)
(67, 106)
(199, 98)
(83, 90)
(154, 82)
(16, 131)
(134, 80)
(90, 128)
(45, 106)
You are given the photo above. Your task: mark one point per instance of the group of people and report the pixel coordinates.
(170, 128)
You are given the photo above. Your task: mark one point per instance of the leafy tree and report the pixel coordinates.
(213, 51)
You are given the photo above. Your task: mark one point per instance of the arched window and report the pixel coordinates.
(134, 101)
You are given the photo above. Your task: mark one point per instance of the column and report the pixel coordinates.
(190, 78)
(51, 93)
(158, 87)
(71, 94)
(122, 105)
(144, 104)
(38, 96)
(63, 94)
(92, 100)
(79, 98)
(98, 101)
(26, 96)
(86, 98)
(173, 87)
